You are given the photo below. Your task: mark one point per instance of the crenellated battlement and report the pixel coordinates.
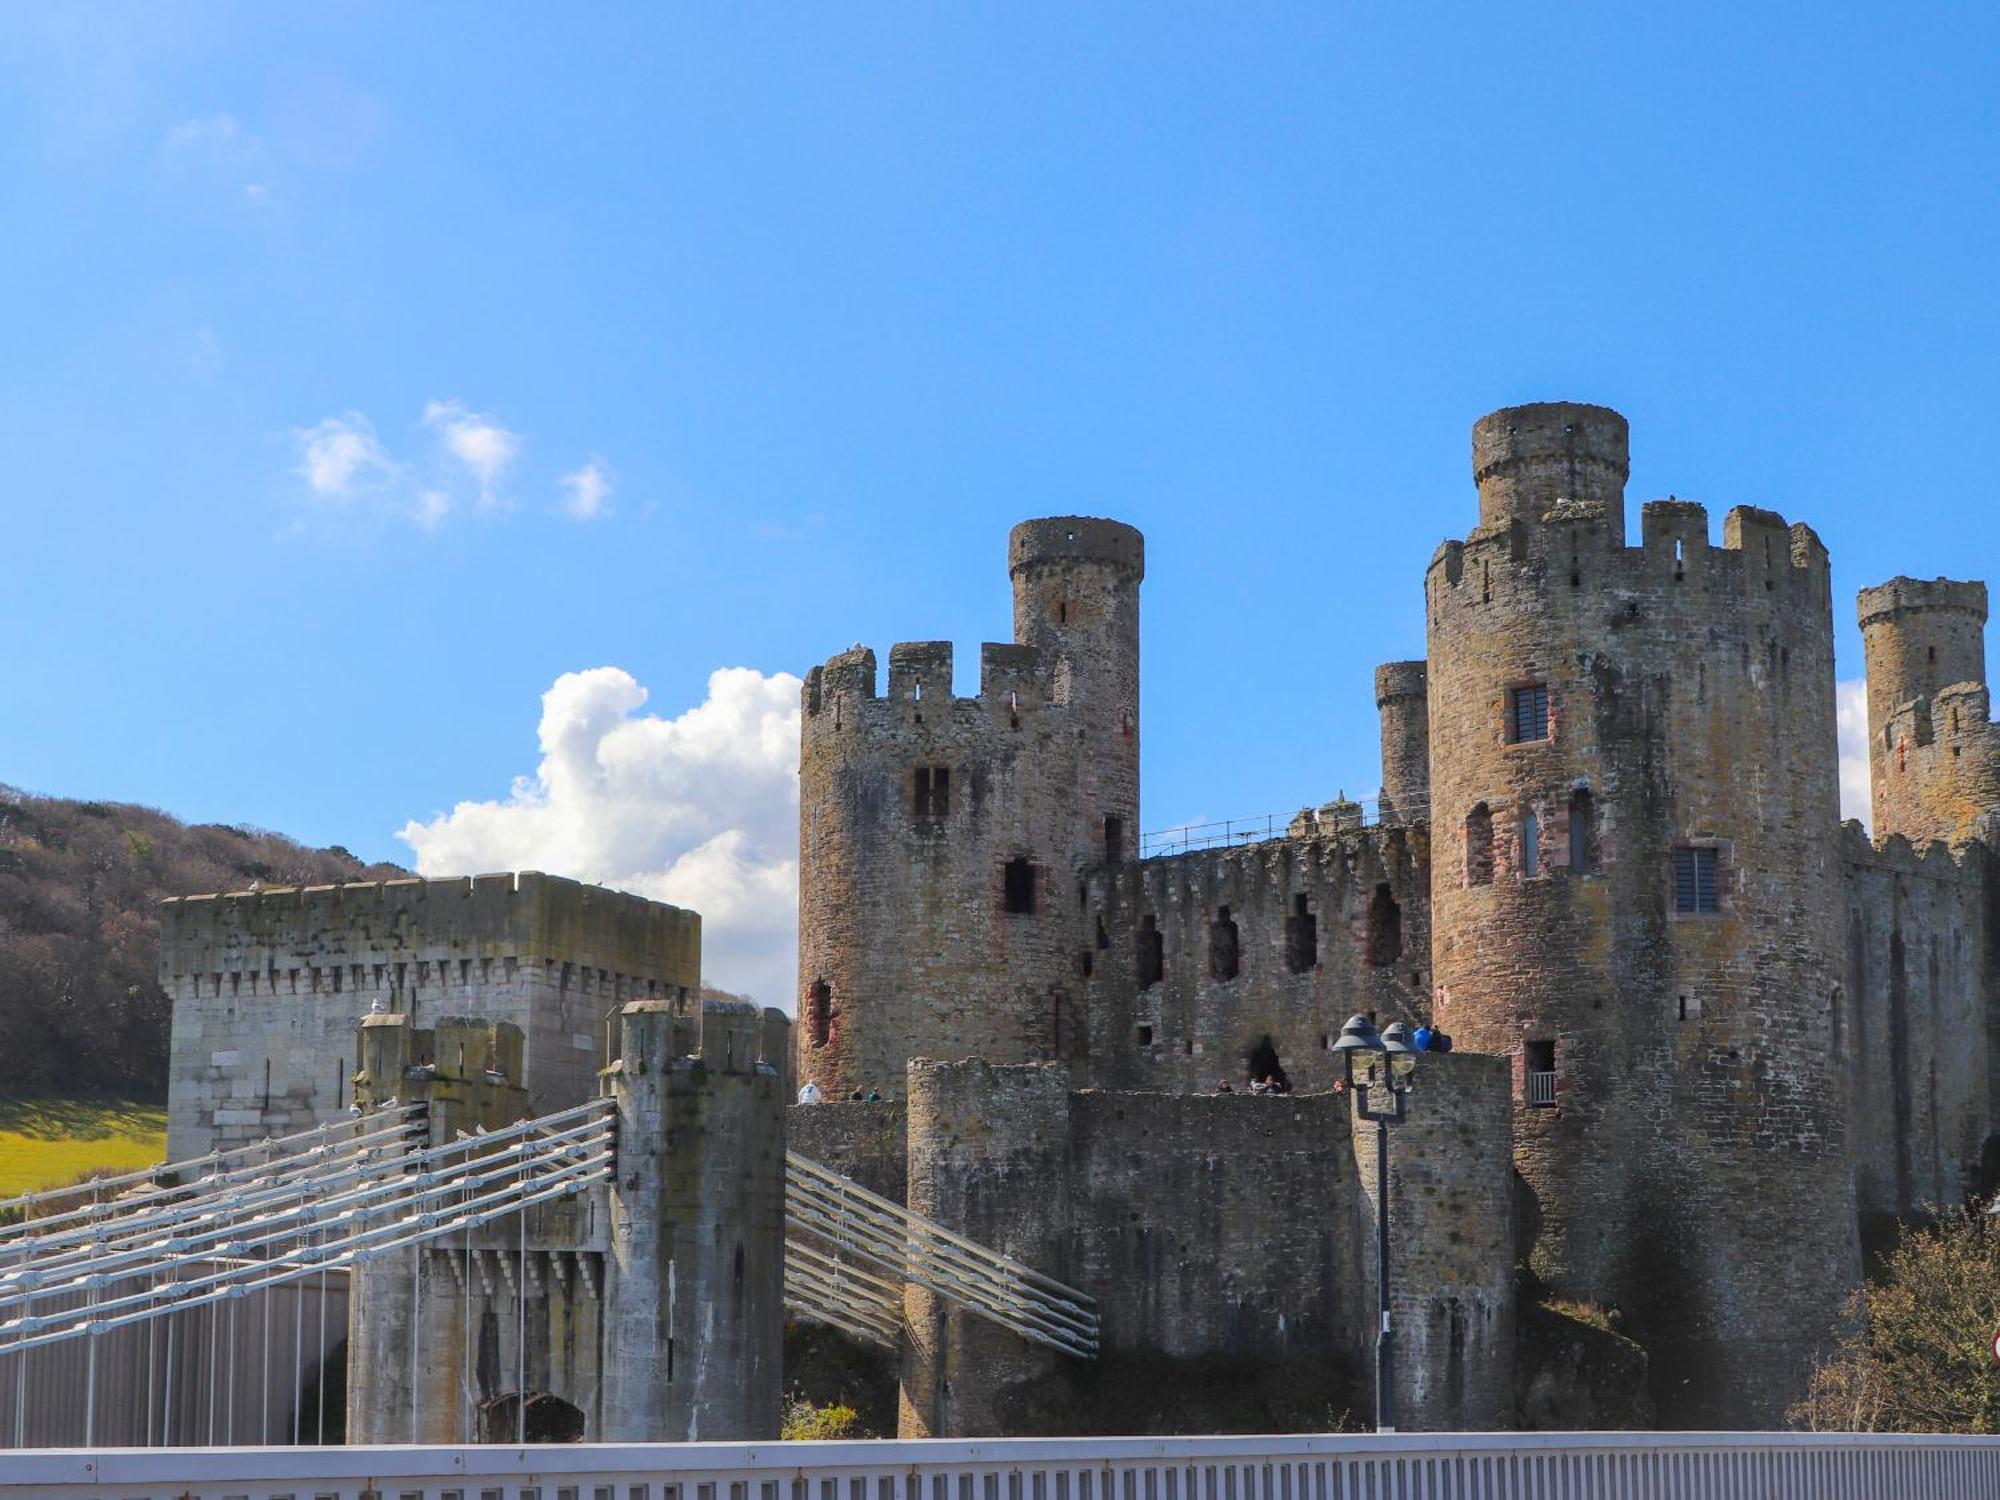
(526, 916)
(1930, 859)
(1579, 546)
(1013, 681)
(1332, 841)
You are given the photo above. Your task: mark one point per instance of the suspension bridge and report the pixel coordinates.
(193, 1257)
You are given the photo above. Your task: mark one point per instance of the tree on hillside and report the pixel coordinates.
(81, 1009)
(1918, 1356)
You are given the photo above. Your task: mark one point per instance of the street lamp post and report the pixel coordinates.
(1382, 1061)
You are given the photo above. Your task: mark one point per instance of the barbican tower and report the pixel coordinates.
(1634, 785)
(941, 838)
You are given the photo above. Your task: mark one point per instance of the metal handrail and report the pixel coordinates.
(1366, 812)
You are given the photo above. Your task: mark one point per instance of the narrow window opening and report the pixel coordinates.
(1224, 954)
(1930, 653)
(1582, 830)
(1527, 713)
(1531, 846)
(930, 793)
(1114, 838)
(1145, 1036)
(1019, 886)
(1052, 1041)
(1479, 846)
(917, 693)
(1486, 583)
(819, 1013)
(1680, 569)
(1103, 937)
(1086, 963)
(1014, 710)
(1539, 1063)
(1696, 885)
(1385, 928)
(1301, 937)
(1062, 613)
(1150, 952)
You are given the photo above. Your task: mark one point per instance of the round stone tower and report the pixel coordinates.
(940, 838)
(1919, 638)
(1076, 601)
(1402, 699)
(1634, 787)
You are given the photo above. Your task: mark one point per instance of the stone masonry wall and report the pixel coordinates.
(1933, 750)
(1914, 1020)
(1220, 1226)
(914, 937)
(1691, 1167)
(1361, 942)
(267, 987)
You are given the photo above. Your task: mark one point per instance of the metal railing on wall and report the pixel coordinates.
(1406, 1466)
(1338, 816)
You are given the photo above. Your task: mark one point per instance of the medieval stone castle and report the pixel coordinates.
(1708, 1037)
(1725, 1032)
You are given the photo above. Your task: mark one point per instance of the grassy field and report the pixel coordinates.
(48, 1142)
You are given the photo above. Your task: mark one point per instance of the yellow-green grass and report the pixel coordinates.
(49, 1142)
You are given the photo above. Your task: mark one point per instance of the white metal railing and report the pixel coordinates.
(848, 1253)
(1542, 1088)
(1405, 1466)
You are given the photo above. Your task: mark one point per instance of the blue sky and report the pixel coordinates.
(368, 368)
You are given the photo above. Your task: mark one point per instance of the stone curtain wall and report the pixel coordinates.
(1692, 1169)
(1217, 1228)
(1914, 1024)
(267, 987)
(1191, 1028)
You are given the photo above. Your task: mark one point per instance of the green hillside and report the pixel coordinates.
(81, 1014)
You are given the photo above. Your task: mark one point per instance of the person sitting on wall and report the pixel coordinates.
(1440, 1041)
(1222, 1086)
(856, 1097)
(874, 1096)
(810, 1093)
(1420, 1039)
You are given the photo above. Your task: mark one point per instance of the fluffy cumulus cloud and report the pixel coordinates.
(480, 444)
(699, 809)
(341, 456)
(1851, 700)
(585, 491)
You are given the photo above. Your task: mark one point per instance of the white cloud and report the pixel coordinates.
(482, 445)
(699, 810)
(215, 133)
(585, 491)
(430, 509)
(1851, 706)
(340, 456)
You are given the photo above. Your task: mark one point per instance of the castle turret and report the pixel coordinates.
(1633, 783)
(1402, 699)
(1526, 458)
(1933, 757)
(941, 838)
(1076, 600)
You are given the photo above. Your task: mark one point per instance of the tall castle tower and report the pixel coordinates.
(941, 837)
(1933, 755)
(1633, 790)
